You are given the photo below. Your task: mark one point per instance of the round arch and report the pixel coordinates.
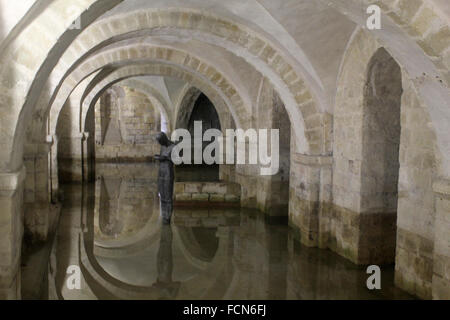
(17, 51)
(294, 82)
(185, 107)
(206, 74)
(160, 70)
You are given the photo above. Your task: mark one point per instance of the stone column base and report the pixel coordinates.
(441, 257)
(363, 237)
(11, 231)
(248, 194)
(37, 221)
(10, 286)
(309, 195)
(414, 263)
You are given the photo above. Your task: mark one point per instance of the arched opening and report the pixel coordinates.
(380, 155)
(201, 113)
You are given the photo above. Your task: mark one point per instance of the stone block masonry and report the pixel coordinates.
(212, 194)
(126, 123)
(441, 254)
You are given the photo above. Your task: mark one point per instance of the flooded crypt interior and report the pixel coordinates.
(112, 230)
(359, 207)
(226, 240)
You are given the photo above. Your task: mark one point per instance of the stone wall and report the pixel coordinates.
(441, 255)
(352, 209)
(416, 203)
(37, 193)
(121, 127)
(366, 161)
(310, 198)
(125, 126)
(212, 193)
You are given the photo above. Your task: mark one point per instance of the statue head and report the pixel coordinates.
(162, 139)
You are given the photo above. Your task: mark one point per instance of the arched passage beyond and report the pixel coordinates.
(201, 115)
(380, 155)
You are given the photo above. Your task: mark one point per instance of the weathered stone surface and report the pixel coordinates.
(216, 197)
(193, 187)
(11, 230)
(200, 197)
(207, 193)
(441, 249)
(232, 198)
(414, 263)
(219, 188)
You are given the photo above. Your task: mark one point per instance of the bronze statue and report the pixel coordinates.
(165, 176)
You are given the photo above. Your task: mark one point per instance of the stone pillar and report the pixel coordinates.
(85, 156)
(272, 195)
(54, 180)
(11, 231)
(37, 193)
(246, 176)
(310, 198)
(70, 157)
(226, 171)
(441, 257)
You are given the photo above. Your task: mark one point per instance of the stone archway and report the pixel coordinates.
(185, 107)
(356, 223)
(380, 158)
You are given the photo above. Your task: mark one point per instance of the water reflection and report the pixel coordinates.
(126, 253)
(110, 223)
(169, 288)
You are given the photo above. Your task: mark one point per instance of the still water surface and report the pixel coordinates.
(112, 230)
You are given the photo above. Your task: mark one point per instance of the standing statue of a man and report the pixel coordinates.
(165, 176)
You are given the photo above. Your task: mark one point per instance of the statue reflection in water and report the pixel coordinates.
(168, 289)
(165, 176)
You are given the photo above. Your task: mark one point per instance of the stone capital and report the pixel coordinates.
(51, 139)
(442, 186)
(84, 135)
(11, 181)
